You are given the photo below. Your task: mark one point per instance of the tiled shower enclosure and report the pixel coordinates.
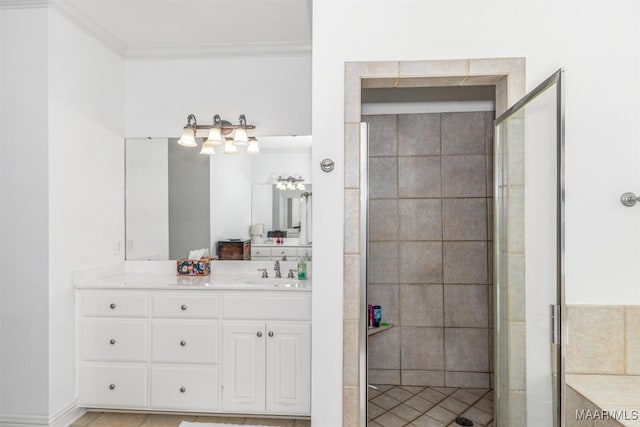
(430, 245)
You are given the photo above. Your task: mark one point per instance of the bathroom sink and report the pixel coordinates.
(278, 283)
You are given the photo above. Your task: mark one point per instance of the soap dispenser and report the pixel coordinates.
(302, 269)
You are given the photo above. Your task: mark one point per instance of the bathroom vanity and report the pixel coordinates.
(230, 342)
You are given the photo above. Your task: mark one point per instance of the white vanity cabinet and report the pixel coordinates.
(114, 340)
(278, 252)
(195, 350)
(266, 360)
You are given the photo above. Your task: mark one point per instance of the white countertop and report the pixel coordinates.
(225, 275)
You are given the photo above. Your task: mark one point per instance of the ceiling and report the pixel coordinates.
(139, 29)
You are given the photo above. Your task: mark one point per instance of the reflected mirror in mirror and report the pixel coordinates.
(177, 199)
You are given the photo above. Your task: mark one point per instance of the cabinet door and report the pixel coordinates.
(288, 368)
(243, 376)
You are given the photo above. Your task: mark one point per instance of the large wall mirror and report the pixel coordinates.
(177, 199)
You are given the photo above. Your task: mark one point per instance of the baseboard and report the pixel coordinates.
(62, 418)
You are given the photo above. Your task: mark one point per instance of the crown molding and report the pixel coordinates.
(141, 53)
(90, 27)
(23, 4)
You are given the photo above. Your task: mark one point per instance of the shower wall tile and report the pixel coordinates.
(420, 219)
(466, 306)
(420, 262)
(351, 291)
(388, 297)
(383, 219)
(516, 277)
(351, 155)
(382, 135)
(632, 339)
(465, 262)
(463, 133)
(383, 177)
(464, 176)
(419, 176)
(422, 378)
(490, 180)
(466, 349)
(489, 130)
(385, 267)
(384, 376)
(421, 305)
(351, 221)
(467, 379)
(465, 219)
(418, 134)
(350, 350)
(422, 348)
(596, 340)
(384, 350)
(517, 361)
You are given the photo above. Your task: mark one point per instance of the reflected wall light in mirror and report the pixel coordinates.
(289, 182)
(217, 135)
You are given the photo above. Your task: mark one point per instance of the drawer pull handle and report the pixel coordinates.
(112, 386)
(270, 333)
(259, 334)
(112, 341)
(182, 389)
(183, 307)
(183, 343)
(112, 306)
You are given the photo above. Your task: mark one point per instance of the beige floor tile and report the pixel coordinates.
(419, 404)
(485, 405)
(221, 420)
(86, 419)
(445, 390)
(163, 420)
(413, 389)
(465, 397)
(399, 394)
(383, 387)
(454, 405)
(302, 423)
(477, 391)
(432, 395)
(116, 419)
(441, 414)
(374, 411)
(390, 420)
(425, 421)
(405, 412)
(385, 402)
(478, 416)
(269, 422)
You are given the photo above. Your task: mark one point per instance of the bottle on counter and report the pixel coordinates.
(302, 269)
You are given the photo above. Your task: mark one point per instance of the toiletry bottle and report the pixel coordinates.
(377, 316)
(302, 269)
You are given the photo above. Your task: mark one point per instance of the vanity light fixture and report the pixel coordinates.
(219, 133)
(290, 182)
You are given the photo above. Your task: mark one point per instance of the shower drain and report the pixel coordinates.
(462, 421)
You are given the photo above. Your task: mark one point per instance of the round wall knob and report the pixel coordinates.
(112, 386)
(112, 306)
(183, 307)
(182, 389)
(183, 343)
(270, 333)
(259, 334)
(112, 341)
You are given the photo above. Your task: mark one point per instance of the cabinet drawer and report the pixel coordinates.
(267, 307)
(114, 304)
(185, 341)
(260, 252)
(115, 339)
(280, 252)
(114, 385)
(185, 306)
(184, 388)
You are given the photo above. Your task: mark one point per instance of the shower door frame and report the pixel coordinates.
(508, 77)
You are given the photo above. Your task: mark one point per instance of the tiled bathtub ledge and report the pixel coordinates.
(603, 400)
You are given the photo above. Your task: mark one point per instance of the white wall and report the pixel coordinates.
(596, 42)
(273, 92)
(24, 205)
(86, 181)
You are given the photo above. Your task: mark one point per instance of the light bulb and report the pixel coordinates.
(188, 138)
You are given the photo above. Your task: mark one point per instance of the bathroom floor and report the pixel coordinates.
(398, 406)
(120, 419)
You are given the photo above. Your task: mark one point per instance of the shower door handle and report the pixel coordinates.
(554, 323)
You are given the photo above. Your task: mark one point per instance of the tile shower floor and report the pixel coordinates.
(391, 406)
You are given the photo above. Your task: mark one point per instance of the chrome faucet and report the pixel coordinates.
(265, 275)
(291, 272)
(276, 267)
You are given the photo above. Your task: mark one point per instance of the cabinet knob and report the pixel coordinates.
(183, 343)
(112, 341)
(112, 306)
(270, 333)
(183, 307)
(259, 334)
(182, 389)
(112, 386)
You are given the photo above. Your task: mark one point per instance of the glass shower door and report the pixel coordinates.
(529, 273)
